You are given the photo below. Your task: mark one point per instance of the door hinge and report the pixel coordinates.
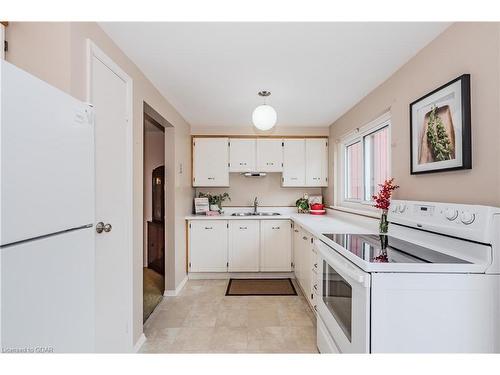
(227, 264)
(189, 264)
(189, 225)
(228, 164)
(227, 225)
(5, 46)
(194, 143)
(293, 265)
(312, 240)
(281, 164)
(282, 144)
(291, 225)
(229, 143)
(282, 179)
(312, 295)
(326, 144)
(326, 179)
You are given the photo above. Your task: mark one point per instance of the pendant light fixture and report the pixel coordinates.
(264, 116)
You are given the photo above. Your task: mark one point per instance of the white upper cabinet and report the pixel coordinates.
(275, 246)
(269, 155)
(210, 162)
(316, 162)
(294, 162)
(241, 155)
(243, 246)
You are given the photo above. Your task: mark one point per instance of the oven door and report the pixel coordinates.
(344, 303)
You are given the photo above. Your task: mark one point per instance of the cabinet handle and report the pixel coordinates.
(211, 178)
(269, 163)
(315, 265)
(315, 286)
(243, 163)
(293, 178)
(276, 227)
(304, 238)
(208, 228)
(316, 178)
(243, 227)
(296, 230)
(315, 307)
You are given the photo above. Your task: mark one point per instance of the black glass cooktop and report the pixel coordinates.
(370, 248)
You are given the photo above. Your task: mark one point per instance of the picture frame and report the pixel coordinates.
(440, 129)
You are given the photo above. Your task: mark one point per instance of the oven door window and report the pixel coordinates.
(337, 296)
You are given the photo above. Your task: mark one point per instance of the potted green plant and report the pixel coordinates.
(215, 201)
(302, 204)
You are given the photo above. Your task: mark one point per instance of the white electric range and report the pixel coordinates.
(434, 288)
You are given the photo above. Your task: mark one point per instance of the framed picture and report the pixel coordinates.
(440, 129)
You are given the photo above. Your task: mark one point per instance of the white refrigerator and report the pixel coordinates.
(47, 214)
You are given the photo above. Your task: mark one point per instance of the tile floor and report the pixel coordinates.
(203, 320)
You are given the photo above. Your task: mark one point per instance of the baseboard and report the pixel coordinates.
(140, 343)
(173, 293)
(249, 275)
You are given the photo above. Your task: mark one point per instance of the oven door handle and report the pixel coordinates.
(348, 270)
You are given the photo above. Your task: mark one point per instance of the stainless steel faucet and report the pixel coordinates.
(255, 204)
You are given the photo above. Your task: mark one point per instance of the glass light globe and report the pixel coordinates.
(264, 117)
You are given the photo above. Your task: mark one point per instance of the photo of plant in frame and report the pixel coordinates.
(440, 129)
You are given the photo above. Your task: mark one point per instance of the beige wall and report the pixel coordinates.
(268, 190)
(463, 48)
(154, 156)
(57, 53)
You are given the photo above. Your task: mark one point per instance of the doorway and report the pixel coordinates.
(154, 213)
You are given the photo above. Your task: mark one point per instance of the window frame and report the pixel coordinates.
(358, 135)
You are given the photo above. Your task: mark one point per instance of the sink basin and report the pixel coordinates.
(257, 214)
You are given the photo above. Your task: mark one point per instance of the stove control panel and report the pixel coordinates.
(471, 222)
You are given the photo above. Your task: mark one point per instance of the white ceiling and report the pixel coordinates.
(211, 72)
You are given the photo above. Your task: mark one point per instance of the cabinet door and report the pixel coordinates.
(208, 246)
(297, 243)
(210, 162)
(275, 246)
(316, 162)
(242, 155)
(269, 155)
(243, 246)
(294, 162)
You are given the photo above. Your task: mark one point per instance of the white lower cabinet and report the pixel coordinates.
(240, 245)
(243, 246)
(275, 246)
(208, 241)
(304, 262)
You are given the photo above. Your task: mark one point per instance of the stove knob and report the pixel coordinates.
(451, 214)
(402, 208)
(467, 217)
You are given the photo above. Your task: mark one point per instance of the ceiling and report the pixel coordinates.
(211, 72)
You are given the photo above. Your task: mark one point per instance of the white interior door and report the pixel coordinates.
(110, 92)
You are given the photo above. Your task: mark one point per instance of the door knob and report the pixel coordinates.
(101, 227)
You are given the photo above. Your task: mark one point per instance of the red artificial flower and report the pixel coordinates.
(383, 198)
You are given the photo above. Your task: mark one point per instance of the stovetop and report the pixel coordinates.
(387, 249)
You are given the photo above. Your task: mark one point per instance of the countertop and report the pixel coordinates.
(333, 222)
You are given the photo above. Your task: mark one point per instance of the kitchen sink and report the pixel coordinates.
(255, 214)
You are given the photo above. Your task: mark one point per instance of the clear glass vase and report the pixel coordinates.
(384, 224)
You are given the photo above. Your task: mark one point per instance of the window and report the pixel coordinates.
(366, 161)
